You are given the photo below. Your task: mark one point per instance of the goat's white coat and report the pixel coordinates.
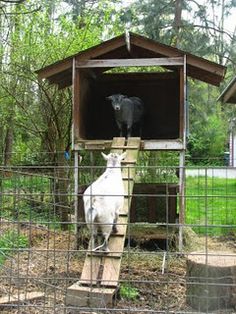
(103, 200)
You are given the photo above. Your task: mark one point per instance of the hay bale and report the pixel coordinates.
(211, 280)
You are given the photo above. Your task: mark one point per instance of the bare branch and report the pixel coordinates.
(232, 37)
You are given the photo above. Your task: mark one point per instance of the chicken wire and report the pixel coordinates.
(41, 257)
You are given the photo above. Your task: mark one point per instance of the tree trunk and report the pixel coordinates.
(211, 281)
(177, 21)
(8, 145)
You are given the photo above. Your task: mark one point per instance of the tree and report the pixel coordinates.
(40, 113)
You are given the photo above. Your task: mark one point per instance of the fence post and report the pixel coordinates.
(76, 199)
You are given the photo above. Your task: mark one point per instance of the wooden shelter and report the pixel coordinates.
(162, 87)
(228, 96)
(164, 93)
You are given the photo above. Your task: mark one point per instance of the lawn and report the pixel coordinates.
(211, 203)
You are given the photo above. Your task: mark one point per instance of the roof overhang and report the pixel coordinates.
(229, 93)
(134, 46)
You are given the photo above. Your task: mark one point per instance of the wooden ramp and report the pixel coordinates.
(100, 275)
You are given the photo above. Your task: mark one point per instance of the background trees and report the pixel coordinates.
(36, 117)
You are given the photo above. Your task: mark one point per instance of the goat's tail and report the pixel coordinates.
(91, 215)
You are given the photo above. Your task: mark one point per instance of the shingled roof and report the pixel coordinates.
(135, 47)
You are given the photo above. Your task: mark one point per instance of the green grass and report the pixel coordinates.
(9, 242)
(128, 292)
(29, 198)
(211, 202)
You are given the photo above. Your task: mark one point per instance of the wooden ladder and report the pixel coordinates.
(100, 275)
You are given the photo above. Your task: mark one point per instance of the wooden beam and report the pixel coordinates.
(110, 63)
(216, 71)
(102, 49)
(76, 99)
(55, 68)
(177, 145)
(165, 144)
(152, 45)
(206, 65)
(230, 95)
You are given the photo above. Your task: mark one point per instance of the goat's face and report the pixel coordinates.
(116, 101)
(114, 159)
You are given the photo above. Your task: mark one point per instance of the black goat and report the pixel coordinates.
(128, 113)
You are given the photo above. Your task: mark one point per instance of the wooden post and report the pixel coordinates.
(76, 198)
(76, 97)
(181, 198)
(182, 153)
(211, 281)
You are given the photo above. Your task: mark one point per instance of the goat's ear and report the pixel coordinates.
(104, 156)
(109, 98)
(122, 156)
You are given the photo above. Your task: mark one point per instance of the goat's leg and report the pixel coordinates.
(104, 245)
(114, 227)
(93, 237)
(129, 129)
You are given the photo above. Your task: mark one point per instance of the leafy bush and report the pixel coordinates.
(128, 292)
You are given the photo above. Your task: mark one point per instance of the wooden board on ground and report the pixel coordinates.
(90, 270)
(81, 296)
(111, 272)
(21, 298)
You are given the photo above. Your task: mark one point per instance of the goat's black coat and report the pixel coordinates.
(128, 114)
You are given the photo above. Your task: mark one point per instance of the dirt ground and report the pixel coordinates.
(51, 264)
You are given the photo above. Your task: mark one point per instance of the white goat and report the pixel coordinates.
(103, 199)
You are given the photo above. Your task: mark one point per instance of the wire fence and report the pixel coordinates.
(41, 257)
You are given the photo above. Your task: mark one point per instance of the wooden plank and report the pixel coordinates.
(206, 65)
(124, 211)
(128, 185)
(102, 48)
(20, 298)
(110, 277)
(117, 141)
(80, 296)
(107, 63)
(131, 158)
(128, 172)
(155, 144)
(90, 270)
(164, 145)
(116, 246)
(137, 76)
(55, 68)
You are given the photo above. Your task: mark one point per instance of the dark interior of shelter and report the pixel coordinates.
(160, 93)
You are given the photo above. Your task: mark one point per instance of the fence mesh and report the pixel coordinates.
(41, 256)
